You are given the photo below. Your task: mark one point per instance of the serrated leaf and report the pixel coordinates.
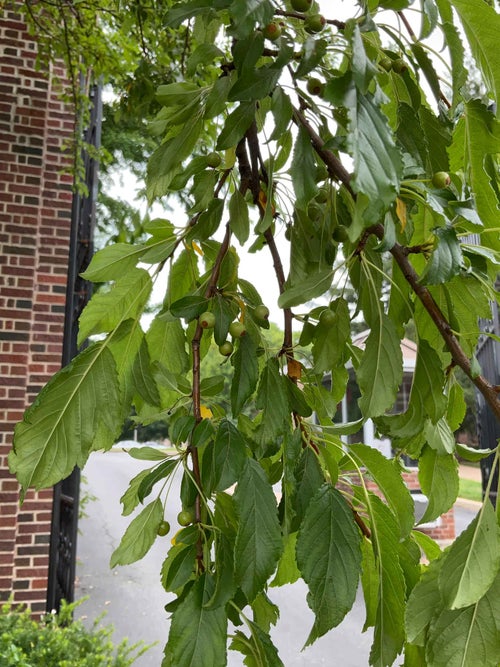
(473, 561)
(308, 477)
(303, 170)
(142, 376)
(328, 349)
(179, 566)
(189, 306)
(198, 634)
(314, 285)
(313, 52)
(77, 411)
(258, 649)
(378, 165)
(389, 627)
(229, 456)
(161, 471)
(287, 572)
(438, 477)
(147, 453)
(440, 436)
(446, 260)
(112, 262)
(468, 636)
(481, 24)
(424, 599)
(107, 309)
(238, 217)
(167, 345)
(381, 368)
(272, 398)
(130, 498)
(237, 123)
(139, 536)
(258, 541)
(248, 13)
(246, 374)
(329, 557)
(388, 478)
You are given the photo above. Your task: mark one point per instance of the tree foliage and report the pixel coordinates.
(350, 146)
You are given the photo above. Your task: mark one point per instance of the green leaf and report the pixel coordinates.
(329, 557)
(258, 649)
(308, 477)
(237, 123)
(189, 307)
(167, 159)
(229, 456)
(381, 368)
(314, 285)
(246, 373)
(377, 163)
(468, 636)
(473, 561)
(481, 24)
(147, 453)
(130, 499)
(477, 135)
(287, 572)
(178, 567)
(438, 477)
(76, 412)
(440, 437)
(107, 309)
(272, 398)
(142, 377)
(303, 169)
(167, 345)
(423, 602)
(282, 110)
(389, 627)
(363, 69)
(247, 13)
(139, 536)
(446, 260)
(258, 541)
(112, 262)
(161, 471)
(313, 52)
(198, 634)
(388, 478)
(238, 217)
(254, 84)
(330, 341)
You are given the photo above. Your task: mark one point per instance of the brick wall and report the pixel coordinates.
(35, 209)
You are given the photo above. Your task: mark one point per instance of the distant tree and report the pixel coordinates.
(336, 131)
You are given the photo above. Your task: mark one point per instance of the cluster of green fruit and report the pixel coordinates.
(397, 65)
(313, 23)
(237, 329)
(184, 518)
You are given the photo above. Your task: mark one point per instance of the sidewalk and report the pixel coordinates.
(470, 472)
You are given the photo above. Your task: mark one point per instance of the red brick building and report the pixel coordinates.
(35, 220)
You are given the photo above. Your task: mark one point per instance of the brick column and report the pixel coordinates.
(35, 212)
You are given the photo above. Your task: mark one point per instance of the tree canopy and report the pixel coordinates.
(352, 145)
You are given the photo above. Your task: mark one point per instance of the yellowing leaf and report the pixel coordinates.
(197, 248)
(205, 412)
(401, 212)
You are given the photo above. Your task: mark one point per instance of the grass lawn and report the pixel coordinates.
(470, 489)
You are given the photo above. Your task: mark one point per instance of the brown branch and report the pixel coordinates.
(457, 354)
(400, 254)
(335, 167)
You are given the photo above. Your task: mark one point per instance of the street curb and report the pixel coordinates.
(469, 504)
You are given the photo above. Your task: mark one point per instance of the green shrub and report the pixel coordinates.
(58, 641)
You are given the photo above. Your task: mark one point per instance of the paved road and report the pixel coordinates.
(133, 599)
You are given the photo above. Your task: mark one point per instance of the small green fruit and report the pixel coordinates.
(322, 196)
(261, 313)
(301, 5)
(340, 234)
(272, 31)
(237, 329)
(386, 63)
(314, 23)
(185, 517)
(213, 160)
(163, 528)
(226, 348)
(399, 65)
(441, 179)
(327, 318)
(207, 320)
(313, 212)
(315, 86)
